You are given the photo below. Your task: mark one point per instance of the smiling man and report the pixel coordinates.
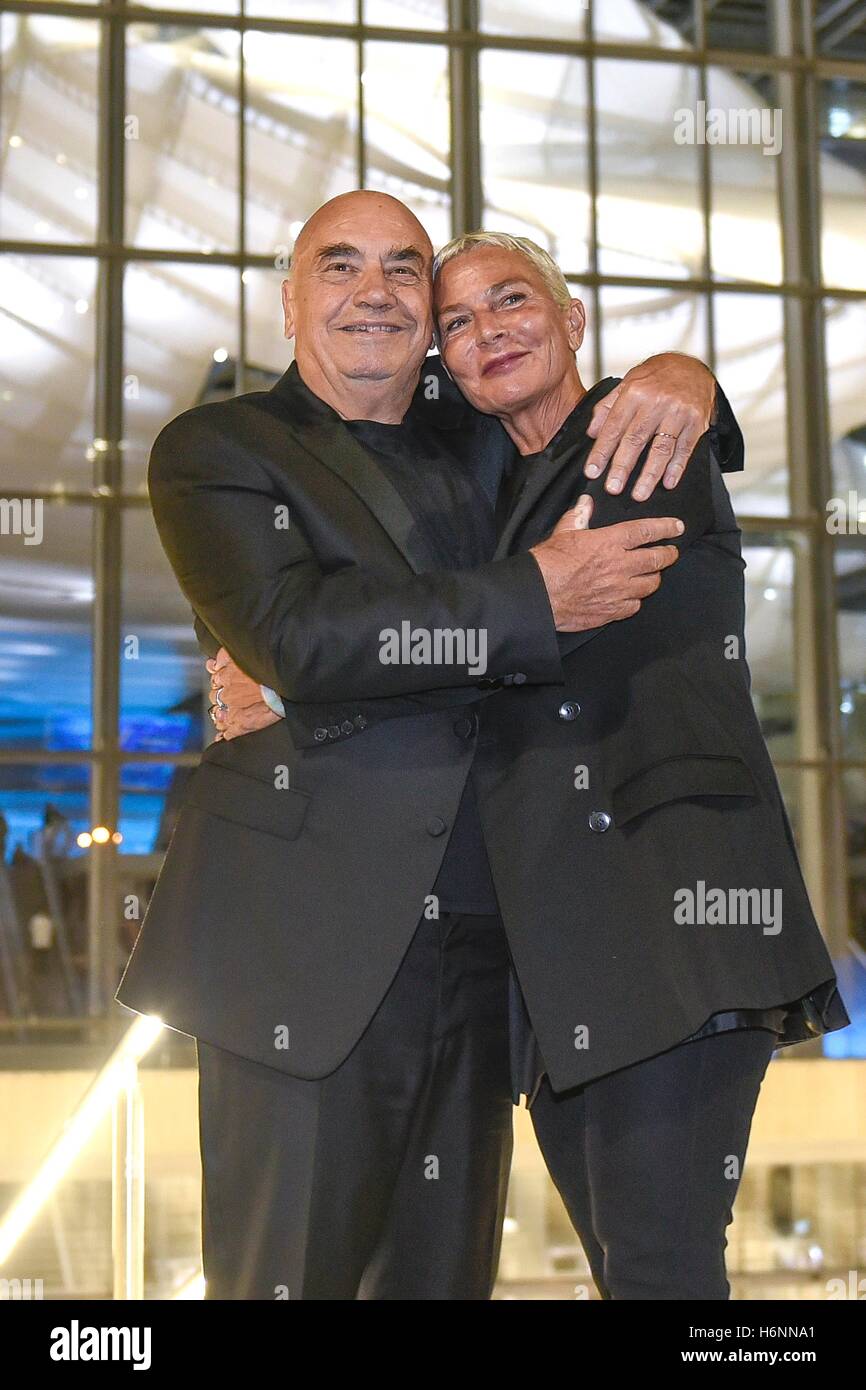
(325, 924)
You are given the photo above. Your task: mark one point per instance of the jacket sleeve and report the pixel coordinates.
(208, 644)
(726, 437)
(312, 636)
(691, 501)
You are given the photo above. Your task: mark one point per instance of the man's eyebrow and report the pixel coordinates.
(338, 248)
(404, 253)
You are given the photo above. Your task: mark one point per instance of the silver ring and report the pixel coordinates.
(218, 698)
(663, 434)
(213, 718)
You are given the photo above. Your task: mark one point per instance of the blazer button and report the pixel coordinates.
(320, 735)
(334, 731)
(360, 721)
(436, 826)
(599, 821)
(519, 677)
(347, 726)
(464, 727)
(569, 709)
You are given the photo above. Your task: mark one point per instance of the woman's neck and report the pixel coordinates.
(532, 427)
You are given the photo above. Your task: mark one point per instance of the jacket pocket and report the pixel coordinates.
(681, 779)
(248, 801)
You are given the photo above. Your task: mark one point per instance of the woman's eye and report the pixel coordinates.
(454, 323)
(514, 298)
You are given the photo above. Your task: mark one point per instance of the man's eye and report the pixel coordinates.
(404, 270)
(339, 265)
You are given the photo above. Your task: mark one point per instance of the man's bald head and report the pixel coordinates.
(360, 201)
(358, 302)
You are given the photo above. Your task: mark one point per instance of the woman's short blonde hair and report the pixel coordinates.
(539, 258)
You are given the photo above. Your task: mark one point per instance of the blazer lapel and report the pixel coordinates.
(537, 481)
(319, 430)
(570, 450)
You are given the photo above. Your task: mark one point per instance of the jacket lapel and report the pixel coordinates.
(319, 431)
(570, 450)
(537, 482)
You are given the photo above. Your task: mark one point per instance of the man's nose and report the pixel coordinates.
(374, 291)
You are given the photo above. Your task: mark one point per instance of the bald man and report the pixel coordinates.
(325, 924)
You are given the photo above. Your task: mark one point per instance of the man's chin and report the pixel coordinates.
(377, 365)
(374, 372)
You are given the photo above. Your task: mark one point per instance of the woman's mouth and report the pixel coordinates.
(503, 363)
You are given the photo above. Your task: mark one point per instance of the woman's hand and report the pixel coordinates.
(669, 399)
(246, 711)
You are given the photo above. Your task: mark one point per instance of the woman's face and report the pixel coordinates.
(503, 337)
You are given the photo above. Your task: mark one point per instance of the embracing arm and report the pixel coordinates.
(319, 637)
(691, 502)
(655, 416)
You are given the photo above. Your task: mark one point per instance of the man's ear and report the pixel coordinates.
(287, 290)
(575, 324)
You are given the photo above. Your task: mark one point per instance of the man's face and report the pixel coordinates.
(503, 337)
(358, 301)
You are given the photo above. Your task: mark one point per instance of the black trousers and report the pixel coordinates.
(648, 1160)
(386, 1179)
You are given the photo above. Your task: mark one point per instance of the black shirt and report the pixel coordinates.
(455, 515)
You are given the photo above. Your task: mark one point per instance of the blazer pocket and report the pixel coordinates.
(681, 779)
(248, 801)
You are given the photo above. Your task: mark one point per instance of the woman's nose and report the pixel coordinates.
(487, 330)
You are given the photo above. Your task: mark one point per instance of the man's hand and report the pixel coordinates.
(670, 399)
(247, 711)
(598, 577)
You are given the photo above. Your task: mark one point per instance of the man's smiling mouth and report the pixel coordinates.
(372, 328)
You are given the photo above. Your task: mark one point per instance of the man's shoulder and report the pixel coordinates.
(204, 438)
(437, 402)
(213, 416)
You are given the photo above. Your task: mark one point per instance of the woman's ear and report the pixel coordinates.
(575, 324)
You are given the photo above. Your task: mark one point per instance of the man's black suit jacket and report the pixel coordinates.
(301, 861)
